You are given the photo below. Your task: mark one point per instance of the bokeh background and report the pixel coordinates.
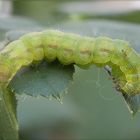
(92, 109)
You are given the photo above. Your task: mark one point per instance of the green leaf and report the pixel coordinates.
(47, 79)
(16, 23)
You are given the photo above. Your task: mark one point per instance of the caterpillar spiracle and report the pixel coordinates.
(70, 48)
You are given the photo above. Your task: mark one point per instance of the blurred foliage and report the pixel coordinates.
(45, 11)
(55, 11)
(113, 10)
(133, 16)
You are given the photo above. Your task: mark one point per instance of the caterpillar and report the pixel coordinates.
(71, 48)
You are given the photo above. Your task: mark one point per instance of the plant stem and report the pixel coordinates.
(8, 121)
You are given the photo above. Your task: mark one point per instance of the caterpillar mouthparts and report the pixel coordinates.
(70, 48)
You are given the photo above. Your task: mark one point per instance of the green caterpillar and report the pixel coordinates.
(70, 48)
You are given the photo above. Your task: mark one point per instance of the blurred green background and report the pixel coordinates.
(92, 109)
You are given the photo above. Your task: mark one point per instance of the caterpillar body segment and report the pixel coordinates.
(71, 48)
(33, 43)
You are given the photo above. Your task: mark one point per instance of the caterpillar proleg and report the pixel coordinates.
(70, 48)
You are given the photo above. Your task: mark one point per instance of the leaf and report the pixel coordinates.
(16, 23)
(113, 29)
(8, 122)
(47, 79)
